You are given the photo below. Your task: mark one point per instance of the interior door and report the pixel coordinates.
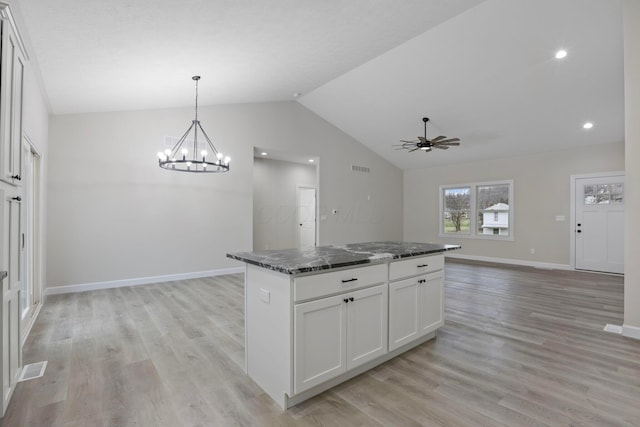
(306, 212)
(11, 287)
(599, 224)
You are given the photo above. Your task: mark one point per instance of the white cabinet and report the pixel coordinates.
(319, 342)
(416, 304)
(306, 333)
(11, 91)
(338, 333)
(12, 66)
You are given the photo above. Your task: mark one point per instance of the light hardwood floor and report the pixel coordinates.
(520, 346)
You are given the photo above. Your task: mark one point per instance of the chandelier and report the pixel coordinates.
(180, 158)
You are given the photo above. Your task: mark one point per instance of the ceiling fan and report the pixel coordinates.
(441, 142)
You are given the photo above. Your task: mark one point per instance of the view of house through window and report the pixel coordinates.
(493, 209)
(480, 209)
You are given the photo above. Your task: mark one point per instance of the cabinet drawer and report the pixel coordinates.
(414, 266)
(333, 282)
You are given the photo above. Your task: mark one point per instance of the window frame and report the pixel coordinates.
(473, 220)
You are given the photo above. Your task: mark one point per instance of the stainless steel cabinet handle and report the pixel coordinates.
(423, 265)
(349, 280)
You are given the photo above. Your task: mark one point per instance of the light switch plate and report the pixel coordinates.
(559, 217)
(265, 295)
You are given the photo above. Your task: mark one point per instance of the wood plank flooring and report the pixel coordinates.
(520, 347)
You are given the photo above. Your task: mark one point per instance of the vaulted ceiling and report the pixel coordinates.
(483, 71)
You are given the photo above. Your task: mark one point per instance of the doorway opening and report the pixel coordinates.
(31, 238)
(285, 195)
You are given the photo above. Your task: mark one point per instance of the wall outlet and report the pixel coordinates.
(532, 251)
(560, 218)
(265, 296)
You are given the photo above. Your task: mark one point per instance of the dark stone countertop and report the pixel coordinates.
(295, 261)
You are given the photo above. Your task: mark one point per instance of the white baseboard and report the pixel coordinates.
(139, 281)
(545, 265)
(631, 331)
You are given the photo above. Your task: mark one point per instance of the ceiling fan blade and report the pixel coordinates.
(447, 140)
(414, 149)
(422, 139)
(408, 142)
(441, 147)
(450, 143)
(438, 138)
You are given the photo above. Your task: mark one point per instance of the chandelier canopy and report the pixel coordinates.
(191, 155)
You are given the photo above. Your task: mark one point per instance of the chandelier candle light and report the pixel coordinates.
(180, 159)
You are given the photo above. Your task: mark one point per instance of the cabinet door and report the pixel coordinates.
(319, 341)
(403, 312)
(11, 89)
(431, 296)
(366, 325)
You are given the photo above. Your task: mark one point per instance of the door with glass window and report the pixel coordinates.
(599, 224)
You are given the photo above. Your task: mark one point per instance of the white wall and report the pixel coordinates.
(275, 201)
(631, 21)
(114, 214)
(541, 191)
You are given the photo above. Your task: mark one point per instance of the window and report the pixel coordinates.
(599, 194)
(478, 210)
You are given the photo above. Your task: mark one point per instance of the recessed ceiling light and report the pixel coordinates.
(561, 54)
(587, 125)
(264, 153)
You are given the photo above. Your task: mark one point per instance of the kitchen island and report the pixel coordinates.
(316, 317)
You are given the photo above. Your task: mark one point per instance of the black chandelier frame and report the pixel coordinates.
(176, 158)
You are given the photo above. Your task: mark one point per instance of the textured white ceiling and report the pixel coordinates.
(482, 71)
(489, 77)
(102, 55)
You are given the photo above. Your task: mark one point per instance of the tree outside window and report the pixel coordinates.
(482, 210)
(457, 208)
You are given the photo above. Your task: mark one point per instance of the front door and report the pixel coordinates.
(599, 224)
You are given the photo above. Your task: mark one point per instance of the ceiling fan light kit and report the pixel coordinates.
(441, 142)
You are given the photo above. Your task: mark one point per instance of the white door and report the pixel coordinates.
(366, 325)
(319, 333)
(599, 224)
(11, 286)
(403, 312)
(306, 212)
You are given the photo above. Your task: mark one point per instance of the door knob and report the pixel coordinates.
(578, 231)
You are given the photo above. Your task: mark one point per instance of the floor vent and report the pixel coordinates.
(34, 370)
(356, 168)
(613, 328)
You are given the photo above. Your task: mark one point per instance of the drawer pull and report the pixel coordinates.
(423, 265)
(349, 280)
(351, 299)
(346, 300)
(422, 281)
